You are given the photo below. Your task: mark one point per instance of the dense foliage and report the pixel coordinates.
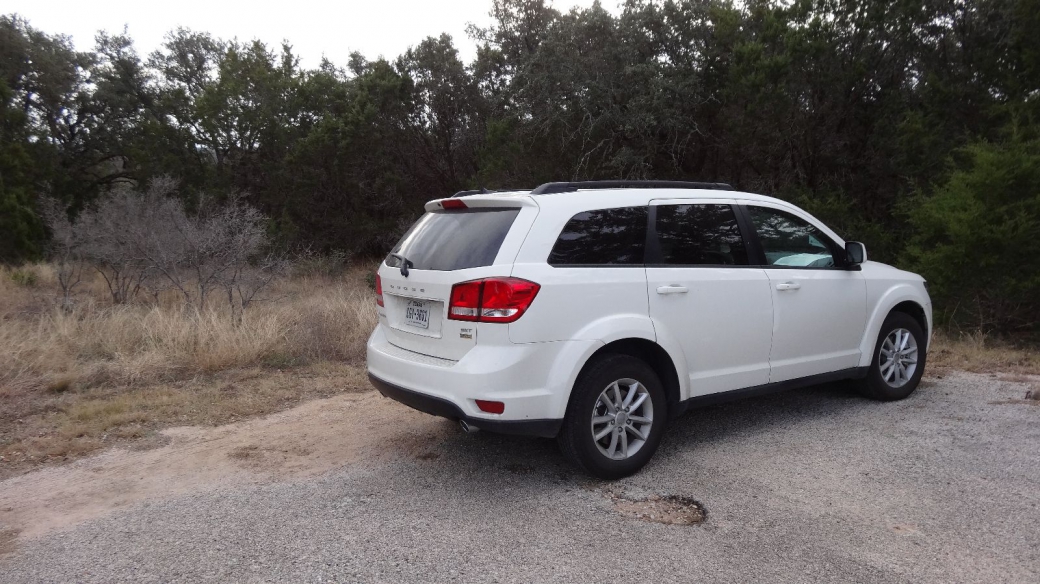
(910, 125)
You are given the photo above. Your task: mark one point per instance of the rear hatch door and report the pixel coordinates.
(445, 247)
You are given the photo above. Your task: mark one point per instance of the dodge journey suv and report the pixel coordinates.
(595, 312)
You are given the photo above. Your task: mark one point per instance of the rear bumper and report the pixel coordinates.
(446, 409)
(533, 380)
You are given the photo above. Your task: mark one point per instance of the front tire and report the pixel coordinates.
(615, 418)
(899, 358)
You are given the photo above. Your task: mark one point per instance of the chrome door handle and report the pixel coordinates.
(788, 286)
(672, 289)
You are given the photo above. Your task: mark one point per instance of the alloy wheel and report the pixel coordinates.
(898, 360)
(621, 419)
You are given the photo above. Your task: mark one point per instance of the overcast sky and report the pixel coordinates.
(313, 27)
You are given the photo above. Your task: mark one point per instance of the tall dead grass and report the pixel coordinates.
(981, 353)
(302, 320)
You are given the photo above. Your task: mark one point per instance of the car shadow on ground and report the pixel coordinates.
(472, 454)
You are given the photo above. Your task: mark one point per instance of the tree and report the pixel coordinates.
(848, 108)
(19, 224)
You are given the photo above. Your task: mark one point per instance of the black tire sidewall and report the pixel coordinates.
(577, 435)
(876, 387)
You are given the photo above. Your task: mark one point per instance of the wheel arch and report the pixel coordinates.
(903, 299)
(916, 311)
(653, 355)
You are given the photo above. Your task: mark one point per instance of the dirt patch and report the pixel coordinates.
(44, 428)
(244, 452)
(1004, 402)
(8, 541)
(1018, 378)
(666, 509)
(320, 435)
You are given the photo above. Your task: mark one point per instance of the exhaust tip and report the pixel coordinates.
(468, 428)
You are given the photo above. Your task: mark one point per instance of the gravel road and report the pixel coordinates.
(814, 485)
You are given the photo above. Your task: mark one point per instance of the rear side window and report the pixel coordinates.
(603, 237)
(700, 235)
(455, 240)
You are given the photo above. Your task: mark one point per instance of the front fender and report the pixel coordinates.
(888, 299)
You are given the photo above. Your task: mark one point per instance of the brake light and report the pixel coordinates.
(491, 299)
(379, 290)
(453, 204)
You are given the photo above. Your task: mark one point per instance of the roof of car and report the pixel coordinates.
(618, 196)
(580, 199)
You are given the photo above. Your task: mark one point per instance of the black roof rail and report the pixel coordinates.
(567, 187)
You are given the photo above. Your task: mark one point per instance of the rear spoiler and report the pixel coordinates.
(491, 200)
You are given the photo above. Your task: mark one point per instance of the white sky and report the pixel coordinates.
(313, 27)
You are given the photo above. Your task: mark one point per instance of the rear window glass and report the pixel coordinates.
(700, 235)
(455, 240)
(603, 237)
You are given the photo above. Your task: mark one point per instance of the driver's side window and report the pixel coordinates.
(699, 235)
(790, 241)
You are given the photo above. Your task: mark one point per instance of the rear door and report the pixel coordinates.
(704, 292)
(443, 248)
(819, 307)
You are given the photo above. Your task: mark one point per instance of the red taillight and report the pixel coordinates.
(491, 407)
(465, 301)
(453, 204)
(506, 299)
(491, 299)
(379, 291)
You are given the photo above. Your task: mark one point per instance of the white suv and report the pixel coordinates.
(595, 312)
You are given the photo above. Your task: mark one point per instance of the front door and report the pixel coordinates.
(704, 294)
(819, 307)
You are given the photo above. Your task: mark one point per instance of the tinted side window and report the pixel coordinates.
(790, 241)
(604, 237)
(455, 240)
(700, 235)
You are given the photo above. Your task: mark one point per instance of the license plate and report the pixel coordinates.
(417, 313)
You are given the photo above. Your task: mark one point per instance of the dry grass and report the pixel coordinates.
(980, 353)
(306, 320)
(73, 382)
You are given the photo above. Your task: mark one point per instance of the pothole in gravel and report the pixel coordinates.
(666, 509)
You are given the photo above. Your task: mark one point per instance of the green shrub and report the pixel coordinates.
(976, 239)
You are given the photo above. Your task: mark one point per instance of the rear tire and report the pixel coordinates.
(620, 399)
(899, 359)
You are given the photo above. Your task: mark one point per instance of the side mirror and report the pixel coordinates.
(855, 253)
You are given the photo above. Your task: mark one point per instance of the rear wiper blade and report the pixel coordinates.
(405, 263)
